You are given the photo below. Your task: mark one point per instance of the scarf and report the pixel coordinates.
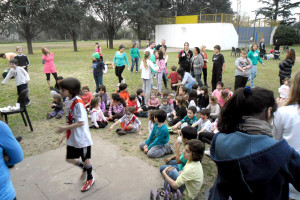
(253, 126)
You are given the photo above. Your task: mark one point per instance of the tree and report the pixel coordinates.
(286, 35)
(112, 14)
(275, 8)
(26, 15)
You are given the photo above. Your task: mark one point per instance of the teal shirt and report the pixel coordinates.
(189, 121)
(158, 136)
(134, 53)
(120, 59)
(254, 57)
(183, 163)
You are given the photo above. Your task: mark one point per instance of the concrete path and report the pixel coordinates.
(117, 177)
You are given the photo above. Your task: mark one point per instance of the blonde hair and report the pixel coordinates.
(146, 56)
(294, 96)
(202, 47)
(44, 50)
(19, 47)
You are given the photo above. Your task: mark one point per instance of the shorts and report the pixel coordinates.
(75, 153)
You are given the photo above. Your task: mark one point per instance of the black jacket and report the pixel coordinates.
(285, 68)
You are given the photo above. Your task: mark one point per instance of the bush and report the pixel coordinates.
(286, 35)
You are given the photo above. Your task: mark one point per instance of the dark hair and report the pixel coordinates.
(197, 49)
(129, 109)
(184, 89)
(205, 112)
(166, 93)
(196, 147)
(122, 87)
(133, 45)
(195, 86)
(291, 55)
(220, 83)
(132, 97)
(96, 43)
(217, 47)
(117, 97)
(85, 87)
(193, 95)
(161, 116)
(165, 100)
(160, 55)
(213, 98)
(151, 114)
(72, 85)
(294, 96)
(2, 54)
(186, 43)
(181, 72)
(173, 68)
(193, 109)
(14, 61)
(189, 132)
(181, 101)
(285, 79)
(102, 87)
(205, 89)
(245, 102)
(139, 91)
(95, 102)
(121, 47)
(253, 46)
(151, 42)
(224, 95)
(59, 78)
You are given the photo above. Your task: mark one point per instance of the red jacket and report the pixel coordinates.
(132, 104)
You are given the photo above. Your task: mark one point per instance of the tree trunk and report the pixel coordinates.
(276, 9)
(111, 41)
(29, 45)
(74, 40)
(139, 35)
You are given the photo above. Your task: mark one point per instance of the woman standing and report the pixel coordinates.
(243, 71)
(184, 58)
(135, 55)
(10, 154)
(165, 72)
(202, 50)
(49, 68)
(119, 63)
(285, 67)
(197, 65)
(186, 78)
(286, 124)
(253, 54)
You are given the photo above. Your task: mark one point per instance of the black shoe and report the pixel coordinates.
(19, 138)
(27, 103)
(118, 130)
(121, 132)
(58, 116)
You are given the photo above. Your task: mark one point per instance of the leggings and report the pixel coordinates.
(119, 71)
(204, 70)
(48, 76)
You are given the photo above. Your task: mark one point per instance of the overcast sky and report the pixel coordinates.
(250, 5)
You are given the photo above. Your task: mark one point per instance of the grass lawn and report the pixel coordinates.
(76, 64)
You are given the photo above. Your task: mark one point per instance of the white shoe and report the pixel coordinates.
(154, 88)
(118, 84)
(123, 81)
(128, 68)
(207, 152)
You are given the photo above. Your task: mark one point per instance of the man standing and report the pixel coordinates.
(162, 44)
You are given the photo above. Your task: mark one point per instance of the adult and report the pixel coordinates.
(165, 72)
(184, 57)
(186, 78)
(204, 70)
(285, 67)
(162, 44)
(135, 55)
(190, 180)
(119, 63)
(286, 123)
(8, 56)
(10, 154)
(262, 48)
(150, 48)
(197, 64)
(253, 54)
(251, 163)
(243, 70)
(49, 68)
(276, 45)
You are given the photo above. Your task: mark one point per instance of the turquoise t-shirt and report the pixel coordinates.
(120, 59)
(254, 57)
(134, 53)
(189, 121)
(183, 163)
(158, 136)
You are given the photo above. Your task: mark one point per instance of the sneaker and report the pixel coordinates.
(58, 116)
(123, 81)
(154, 88)
(51, 88)
(83, 175)
(121, 132)
(19, 138)
(88, 184)
(118, 130)
(28, 103)
(49, 116)
(207, 152)
(118, 84)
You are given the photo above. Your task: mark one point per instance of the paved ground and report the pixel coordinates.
(48, 176)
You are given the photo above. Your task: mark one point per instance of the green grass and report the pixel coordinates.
(76, 64)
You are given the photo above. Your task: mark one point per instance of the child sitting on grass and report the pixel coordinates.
(123, 91)
(174, 76)
(203, 98)
(180, 111)
(188, 120)
(133, 102)
(203, 123)
(104, 95)
(57, 107)
(129, 123)
(86, 96)
(214, 108)
(166, 106)
(141, 99)
(98, 120)
(217, 92)
(224, 97)
(151, 120)
(116, 108)
(157, 144)
(153, 103)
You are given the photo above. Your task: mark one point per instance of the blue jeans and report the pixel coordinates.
(198, 79)
(190, 84)
(253, 75)
(142, 114)
(173, 163)
(173, 175)
(98, 81)
(134, 61)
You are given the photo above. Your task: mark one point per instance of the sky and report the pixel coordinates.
(247, 6)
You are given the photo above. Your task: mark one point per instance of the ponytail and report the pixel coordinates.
(146, 56)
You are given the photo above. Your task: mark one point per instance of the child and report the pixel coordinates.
(133, 102)
(57, 107)
(153, 103)
(98, 67)
(180, 110)
(230, 93)
(160, 62)
(224, 98)
(21, 76)
(192, 100)
(284, 89)
(181, 91)
(56, 89)
(189, 119)
(87, 96)
(151, 120)
(174, 76)
(98, 120)
(141, 99)
(167, 95)
(123, 91)
(98, 50)
(116, 108)
(77, 131)
(166, 106)
(157, 144)
(129, 123)
(218, 67)
(217, 92)
(214, 108)
(104, 95)
(203, 123)
(22, 59)
(203, 98)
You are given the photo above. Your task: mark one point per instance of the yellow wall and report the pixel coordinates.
(190, 19)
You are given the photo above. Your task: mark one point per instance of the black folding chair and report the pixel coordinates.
(233, 51)
(22, 101)
(238, 52)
